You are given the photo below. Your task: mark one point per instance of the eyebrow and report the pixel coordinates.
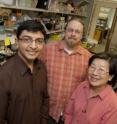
(98, 65)
(31, 37)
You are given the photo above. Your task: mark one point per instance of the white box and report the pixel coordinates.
(8, 2)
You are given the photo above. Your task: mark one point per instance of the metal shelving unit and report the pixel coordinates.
(39, 10)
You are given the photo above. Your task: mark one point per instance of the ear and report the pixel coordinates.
(81, 38)
(17, 43)
(110, 77)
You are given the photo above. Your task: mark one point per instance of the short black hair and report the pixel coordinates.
(31, 26)
(112, 60)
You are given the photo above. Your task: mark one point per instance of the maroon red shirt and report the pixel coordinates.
(23, 95)
(100, 109)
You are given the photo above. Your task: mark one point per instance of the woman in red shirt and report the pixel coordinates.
(94, 101)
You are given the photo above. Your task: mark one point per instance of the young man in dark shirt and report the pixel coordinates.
(23, 80)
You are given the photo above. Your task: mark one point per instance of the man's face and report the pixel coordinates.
(30, 45)
(73, 34)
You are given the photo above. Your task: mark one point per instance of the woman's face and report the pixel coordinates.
(98, 73)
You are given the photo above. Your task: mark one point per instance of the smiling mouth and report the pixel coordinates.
(94, 78)
(32, 52)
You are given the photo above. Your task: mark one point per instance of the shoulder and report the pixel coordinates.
(80, 88)
(85, 52)
(41, 63)
(7, 72)
(111, 99)
(42, 67)
(8, 66)
(83, 84)
(53, 44)
(48, 50)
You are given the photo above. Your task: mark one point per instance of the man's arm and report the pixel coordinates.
(3, 99)
(45, 105)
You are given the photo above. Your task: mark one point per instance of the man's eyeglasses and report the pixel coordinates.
(28, 40)
(100, 71)
(70, 30)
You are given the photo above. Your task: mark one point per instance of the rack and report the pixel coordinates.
(39, 10)
(44, 12)
(82, 3)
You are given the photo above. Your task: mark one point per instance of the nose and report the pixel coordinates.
(96, 72)
(73, 32)
(33, 45)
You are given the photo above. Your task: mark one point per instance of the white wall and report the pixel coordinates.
(113, 43)
(110, 17)
(97, 5)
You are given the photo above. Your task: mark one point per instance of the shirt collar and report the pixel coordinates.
(79, 50)
(23, 68)
(103, 93)
(107, 90)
